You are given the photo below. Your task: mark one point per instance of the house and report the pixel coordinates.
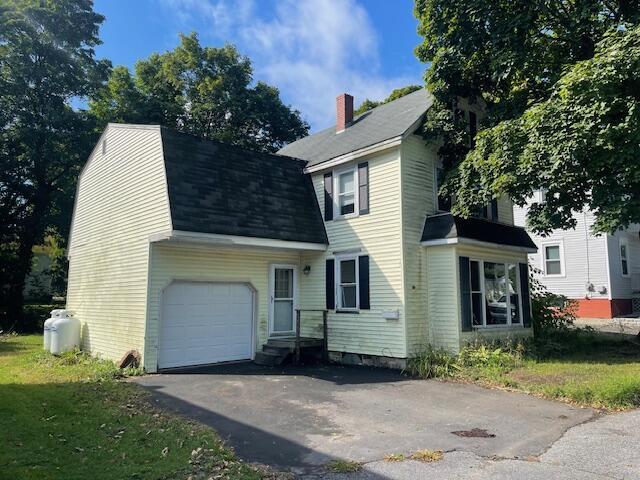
(601, 273)
(194, 252)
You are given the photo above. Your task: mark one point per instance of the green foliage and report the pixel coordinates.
(550, 312)
(344, 466)
(576, 365)
(367, 104)
(433, 363)
(557, 82)
(46, 60)
(32, 319)
(204, 91)
(490, 356)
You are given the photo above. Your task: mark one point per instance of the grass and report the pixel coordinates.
(71, 418)
(427, 456)
(394, 457)
(581, 367)
(344, 466)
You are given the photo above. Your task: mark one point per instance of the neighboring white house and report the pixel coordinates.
(193, 252)
(602, 273)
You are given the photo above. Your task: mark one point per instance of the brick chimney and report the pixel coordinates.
(344, 106)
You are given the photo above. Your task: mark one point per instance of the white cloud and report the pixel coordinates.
(311, 49)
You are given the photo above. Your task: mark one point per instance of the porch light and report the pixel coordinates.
(307, 269)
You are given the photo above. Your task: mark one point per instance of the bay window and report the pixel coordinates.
(495, 293)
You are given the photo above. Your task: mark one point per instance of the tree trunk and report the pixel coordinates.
(32, 231)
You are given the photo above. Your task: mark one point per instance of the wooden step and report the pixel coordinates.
(269, 359)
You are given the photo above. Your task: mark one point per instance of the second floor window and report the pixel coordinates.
(346, 192)
(624, 260)
(552, 259)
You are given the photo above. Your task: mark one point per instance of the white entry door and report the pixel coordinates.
(205, 322)
(283, 300)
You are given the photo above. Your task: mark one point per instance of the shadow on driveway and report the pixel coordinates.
(300, 418)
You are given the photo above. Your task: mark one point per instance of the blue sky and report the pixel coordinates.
(311, 50)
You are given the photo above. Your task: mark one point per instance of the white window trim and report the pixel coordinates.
(543, 256)
(625, 242)
(336, 192)
(338, 283)
(509, 324)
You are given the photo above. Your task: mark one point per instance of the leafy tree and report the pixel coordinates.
(46, 60)
(367, 104)
(582, 145)
(509, 57)
(205, 91)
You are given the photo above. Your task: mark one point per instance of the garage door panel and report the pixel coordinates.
(205, 323)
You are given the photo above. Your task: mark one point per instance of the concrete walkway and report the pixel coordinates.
(605, 448)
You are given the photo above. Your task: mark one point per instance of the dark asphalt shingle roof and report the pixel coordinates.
(223, 189)
(445, 226)
(377, 125)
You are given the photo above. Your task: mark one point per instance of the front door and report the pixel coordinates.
(282, 297)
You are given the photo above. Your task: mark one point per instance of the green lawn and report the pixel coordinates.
(70, 418)
(585, 368)
(598, 370)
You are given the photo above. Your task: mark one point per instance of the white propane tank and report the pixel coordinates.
(55, 315)
(65, 334)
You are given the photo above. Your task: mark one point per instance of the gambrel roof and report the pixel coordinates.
(223, 189)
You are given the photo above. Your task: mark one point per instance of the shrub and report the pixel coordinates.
(32, 321)
(550, 312)
(433, 363)
(494, 356)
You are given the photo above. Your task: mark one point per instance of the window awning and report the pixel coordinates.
(445, 228)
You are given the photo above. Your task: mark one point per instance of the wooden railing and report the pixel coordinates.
(298, 339)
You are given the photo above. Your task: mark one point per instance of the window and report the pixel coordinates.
(346, 193)
(347, 275)
(496, 297)
(624, 260)
(443, 202)
(476, 294)
(552, 261)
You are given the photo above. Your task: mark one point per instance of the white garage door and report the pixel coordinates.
(205, 323)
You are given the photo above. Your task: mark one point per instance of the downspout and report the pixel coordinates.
(586, 243)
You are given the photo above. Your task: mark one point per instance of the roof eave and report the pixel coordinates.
(213, 239)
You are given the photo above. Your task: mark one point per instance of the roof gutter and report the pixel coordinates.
(178, 236)
(478, 243)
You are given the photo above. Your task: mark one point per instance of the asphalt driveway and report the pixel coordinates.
(301, 418)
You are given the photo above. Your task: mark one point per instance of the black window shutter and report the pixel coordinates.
(328, 196)
(363, 272)
(494, 209)
(330, 285)
(526, 295)
(363, 187)
(465, 294)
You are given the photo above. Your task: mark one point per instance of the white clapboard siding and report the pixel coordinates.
(584, 258)
(121, 200)
(418, 200)
(624, 287)
(376, 234)
(443, 301)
